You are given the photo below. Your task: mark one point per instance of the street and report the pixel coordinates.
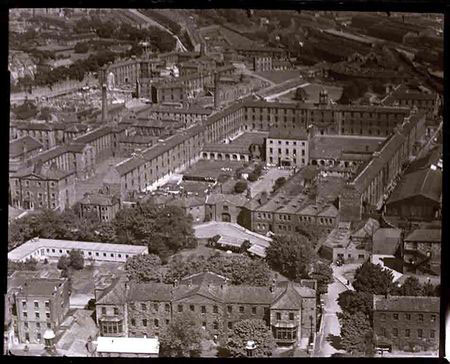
(330, 323)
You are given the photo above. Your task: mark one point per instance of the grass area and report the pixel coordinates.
(212, 168)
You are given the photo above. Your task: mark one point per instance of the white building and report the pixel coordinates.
(41, 249)
(129, 347)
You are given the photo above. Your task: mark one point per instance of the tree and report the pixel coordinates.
(429, 290)
(240, 186)
(411, 287)
(323, 274)
(144, 268)
(290, 256)
(81, 47)
(251, 329)
(29, 264)
(373, 279)
(356, 333)
(182, 337)
(352, 302)
(239, 269)
(278, 183)
(76, 259)
(252, 177)
(63, 262)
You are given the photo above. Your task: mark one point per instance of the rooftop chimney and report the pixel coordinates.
(104, 103)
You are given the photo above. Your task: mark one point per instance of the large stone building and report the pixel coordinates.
(138, 310)
(406, 323)
(421, 251)
(287, 147)
(39, 304)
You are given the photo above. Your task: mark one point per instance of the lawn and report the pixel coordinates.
(212, 168)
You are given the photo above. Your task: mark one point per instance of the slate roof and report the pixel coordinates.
(237, 200)
(17, 146)
(149, 292)
(204, 278)
(428, 235)
(385, 241)
(115, 294)
(288, 133)
(424, 182)
(40, 286)
(323, 147)
(406, 303)
(99, 199)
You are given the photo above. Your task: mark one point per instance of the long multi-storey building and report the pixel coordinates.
(138, 310)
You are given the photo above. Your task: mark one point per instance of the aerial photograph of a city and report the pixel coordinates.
(224, 183)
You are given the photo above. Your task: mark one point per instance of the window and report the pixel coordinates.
(278, 316)
(155, 306)
(203, 309)
(24, 304)
(408, 316)
(36, 304)
(395, 316)
(286, 333)
(192, 308)
(433, 318)
(420, 317)
(47, 315)
(103, 310)
(241, 308)
(407, 333)
(167, 307)
(395, 332)
(230, 309)
(180, 308)
(216, 325)
(291, 316)
(167, 321)
(25, 324)
(204, 324)
(37, 315)
(215, 309)
(143, 307)
(156, 323)
(254, 310)
(116, 310)
(49, 325)
(144, 322)
(432, 334)
(419, 333)
(38, 325)
(133, 322)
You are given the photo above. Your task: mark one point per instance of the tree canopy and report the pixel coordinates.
(356, 333)
(144, 268)
(323, 274)
(240, 186)
(182, 337)
(353, 301)
(239, 269)
(290, 256)
(251, 329)
(373, 279)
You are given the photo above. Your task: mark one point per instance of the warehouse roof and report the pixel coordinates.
(428, 235)
(406, 303)
(27, 143)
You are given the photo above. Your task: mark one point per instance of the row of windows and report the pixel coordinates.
(407, 333)
(37, 324)
(37, 315)
(287, 143)
(407, 316)
(82, 252)
(294, 151)
(36, 304)
(294, 160)
(180, 308)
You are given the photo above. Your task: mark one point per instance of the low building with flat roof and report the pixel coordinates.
(41, 249)
(127, 347)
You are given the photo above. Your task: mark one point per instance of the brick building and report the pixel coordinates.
(40, 304)
(22, 149)
(221, 207)
(406, 323)
(262, 63)
(103, 204)
(137, 310)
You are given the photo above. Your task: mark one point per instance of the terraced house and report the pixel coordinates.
(138, 310)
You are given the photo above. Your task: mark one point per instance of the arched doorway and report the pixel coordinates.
(226, 217)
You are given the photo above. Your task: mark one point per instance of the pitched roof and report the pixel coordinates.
(428, 235)
(17, 146)
(237, 200)
(247, 295)
(114, 294)
(385, 241)
(149, 292)
(99, 199)
(288, 133)
(406, 303)
(204, 278)
(40, 286)
(424, 182)
(287, 299)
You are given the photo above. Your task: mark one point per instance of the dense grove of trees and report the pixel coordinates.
(239, 269)
(165, 230)
(357, 305)
(291, 256)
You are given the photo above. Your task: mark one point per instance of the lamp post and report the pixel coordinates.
(251, 346)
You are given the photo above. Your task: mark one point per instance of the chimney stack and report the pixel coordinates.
(216, 90)
(104, 103)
